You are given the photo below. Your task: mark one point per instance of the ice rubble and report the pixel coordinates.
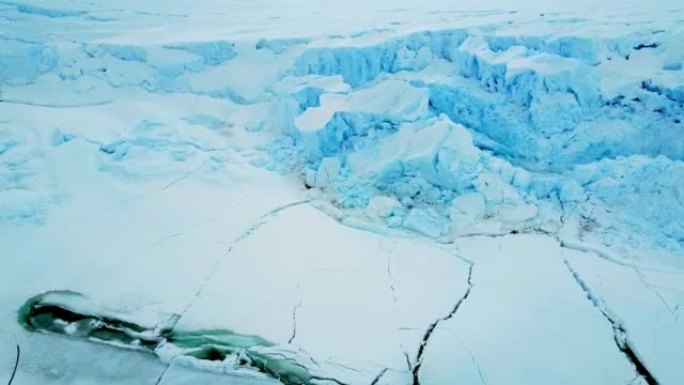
(458, 126)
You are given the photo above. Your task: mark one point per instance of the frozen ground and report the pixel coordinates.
(296, 192)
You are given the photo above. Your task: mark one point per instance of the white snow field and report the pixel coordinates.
(345, 193)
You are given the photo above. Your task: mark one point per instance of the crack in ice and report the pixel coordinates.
(650, 288)
(408, 359)
(185, 176)
(377, 378)
(473, 360)
(294, 321)
(16, 365)
(477, 365)
(620, 335)
(433, 326)
(317, 378)
(181, 233)
(262, 220)
(390, 278)
(163, 373)
(585, 248)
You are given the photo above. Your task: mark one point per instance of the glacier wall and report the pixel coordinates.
(461, 131)
(447, 132)
(543, 105)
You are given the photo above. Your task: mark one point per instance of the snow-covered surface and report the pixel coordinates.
(522, 323)
(361, 192)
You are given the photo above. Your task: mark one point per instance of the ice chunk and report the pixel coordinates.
(394, 99)
(326, 173)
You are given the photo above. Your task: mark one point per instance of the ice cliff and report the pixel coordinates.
(446, 132)
(449, 131)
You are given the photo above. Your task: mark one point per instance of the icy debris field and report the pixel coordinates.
(365, 193)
